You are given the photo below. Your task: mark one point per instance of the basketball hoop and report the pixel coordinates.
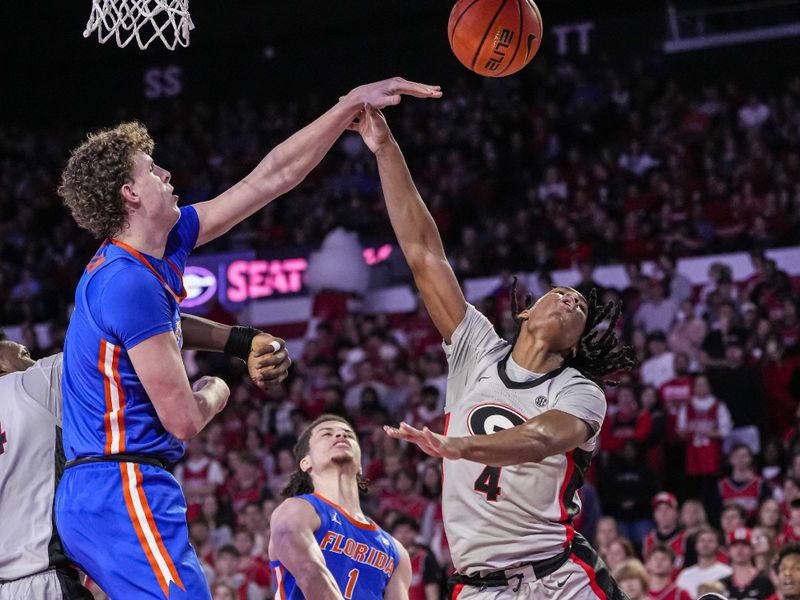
(142, 20)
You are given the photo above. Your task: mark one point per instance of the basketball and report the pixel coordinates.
(495, 38)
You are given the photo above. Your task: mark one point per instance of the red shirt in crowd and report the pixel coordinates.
(703, 453)
(676, 542)
(621, 428)
(671, 592)
(674, 395)
(746, 494)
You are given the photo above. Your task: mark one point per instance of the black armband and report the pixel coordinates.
(239, 341)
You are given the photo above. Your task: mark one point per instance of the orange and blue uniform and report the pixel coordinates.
(360, 556)
(121, 515)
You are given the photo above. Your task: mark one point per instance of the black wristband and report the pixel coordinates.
(239, 341)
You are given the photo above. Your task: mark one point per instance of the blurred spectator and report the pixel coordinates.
(426, 575)
(680, 288)
(763, 549)
(226, 565)
(746, 581)
(659, 366)
(660, 565)
(632, 579)
(770, 517)
(252, 564)
(657, 312)
(627, 488)
(791, 532)
(708, 568)
(703, 422)
(668, 531)
(198, 475)
(781, 376)
(743, 486)
(618, 551)
(224, 591)
(731, 518)
(693, 519)
(738, 386)
(629, 422)
(605, 533)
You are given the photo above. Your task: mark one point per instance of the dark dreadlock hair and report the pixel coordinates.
(300, 481)
(597, 353)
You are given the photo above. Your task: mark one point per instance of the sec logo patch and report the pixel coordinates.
(541, 401)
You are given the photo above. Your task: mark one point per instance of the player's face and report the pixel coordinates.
(14, 357)
(152, 185)
(789, 576)
(333, 442)
(560, 316)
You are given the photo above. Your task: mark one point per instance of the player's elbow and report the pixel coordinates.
(422, 259)
(281, 173)
(183, 430)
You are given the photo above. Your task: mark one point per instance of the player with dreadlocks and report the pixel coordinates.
(508, 498)
(322, 546)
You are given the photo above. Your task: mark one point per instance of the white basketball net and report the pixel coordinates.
(141, 20)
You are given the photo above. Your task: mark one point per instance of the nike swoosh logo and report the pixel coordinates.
(531, 39)
(563, 582)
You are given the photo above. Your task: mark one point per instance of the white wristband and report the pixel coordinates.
(276, 346)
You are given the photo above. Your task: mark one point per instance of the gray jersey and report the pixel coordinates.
(31, 461)
(496, 518)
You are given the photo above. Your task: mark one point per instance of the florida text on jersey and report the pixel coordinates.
(360, 556)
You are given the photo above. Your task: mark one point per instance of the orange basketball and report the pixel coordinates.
(495, 38)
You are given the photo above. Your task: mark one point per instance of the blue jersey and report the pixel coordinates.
(360, 557)
(122, 299)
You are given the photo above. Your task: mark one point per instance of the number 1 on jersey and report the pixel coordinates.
(352, 577)
(488, 482)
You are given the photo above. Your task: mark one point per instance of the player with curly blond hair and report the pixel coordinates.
(128, 404)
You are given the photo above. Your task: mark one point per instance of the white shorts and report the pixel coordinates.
(47, 585)
(584, 576)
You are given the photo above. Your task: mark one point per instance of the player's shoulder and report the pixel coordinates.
(571, 378)
(295, 511)
(124, 277)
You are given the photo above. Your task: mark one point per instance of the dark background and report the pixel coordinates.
(52, 75)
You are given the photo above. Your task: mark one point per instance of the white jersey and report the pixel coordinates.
(31, 461)
(496, 518)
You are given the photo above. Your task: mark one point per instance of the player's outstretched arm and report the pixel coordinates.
(266, 356)
(553, 432)
(292, 543)
(292, 160)
(397, 588)
(414, 226)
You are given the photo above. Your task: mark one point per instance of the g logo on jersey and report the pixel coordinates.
(491, 418)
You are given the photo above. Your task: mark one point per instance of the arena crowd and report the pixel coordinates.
(697, 485)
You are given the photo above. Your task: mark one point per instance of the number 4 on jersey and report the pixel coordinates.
(488, 482)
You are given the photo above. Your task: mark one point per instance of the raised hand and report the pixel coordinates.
(371, 125)
(432, 444)
(388, 92)
(269, 362)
